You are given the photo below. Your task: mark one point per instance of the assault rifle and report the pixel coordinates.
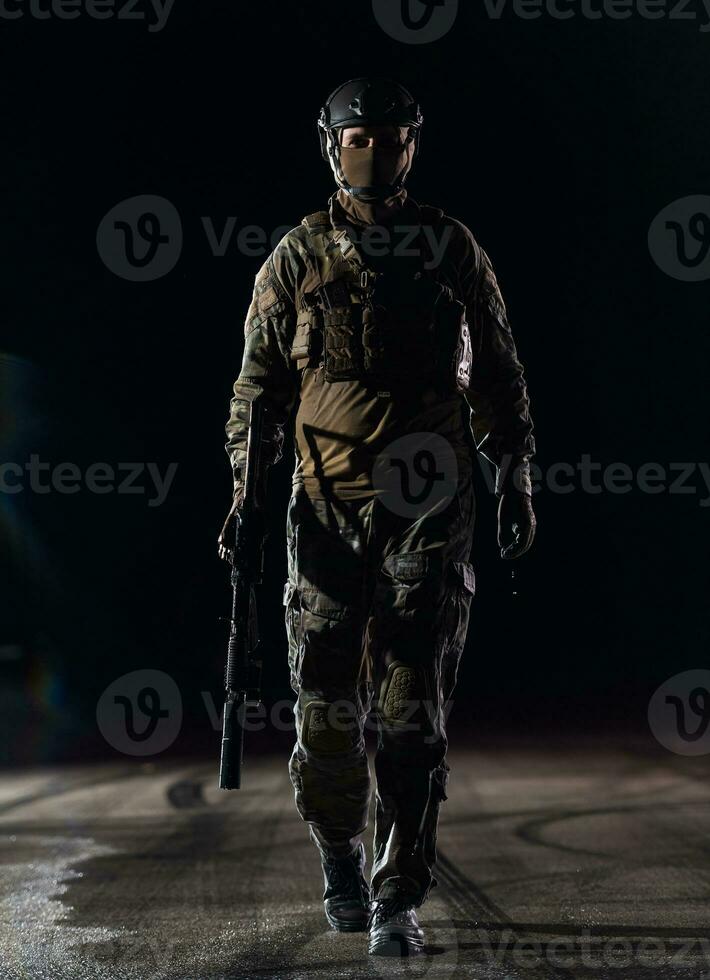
(242, 677)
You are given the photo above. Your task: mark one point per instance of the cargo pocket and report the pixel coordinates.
(320, 611)
(408, 578)
(439, 784)
(331, 644)
(292, 612)
(463, 589)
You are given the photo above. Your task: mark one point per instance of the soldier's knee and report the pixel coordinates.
(407, 703)
(330, 729)
(402, 693)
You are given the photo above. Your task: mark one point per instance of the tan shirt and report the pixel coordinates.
(342, 427)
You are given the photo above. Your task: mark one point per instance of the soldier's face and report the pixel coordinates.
(386, 137)
(375, 157)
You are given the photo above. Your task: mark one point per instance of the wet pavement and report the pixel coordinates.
(582, 862)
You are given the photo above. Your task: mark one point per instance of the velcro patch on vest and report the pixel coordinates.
(267, 299)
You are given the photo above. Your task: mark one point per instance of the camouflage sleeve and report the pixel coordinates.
(266, 371)
(497, 395)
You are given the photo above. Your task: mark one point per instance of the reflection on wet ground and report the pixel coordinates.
(572, 863)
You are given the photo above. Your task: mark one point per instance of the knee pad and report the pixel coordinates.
(324, 731)
(402, 694)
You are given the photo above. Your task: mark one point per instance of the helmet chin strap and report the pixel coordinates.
(373, 194)
(376, 192)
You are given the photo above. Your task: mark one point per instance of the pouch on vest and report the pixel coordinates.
(339, 318)
(306, 346)
(342, 343)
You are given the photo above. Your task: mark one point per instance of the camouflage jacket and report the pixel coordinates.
(496, 391)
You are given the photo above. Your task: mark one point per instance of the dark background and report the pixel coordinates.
(556, 142)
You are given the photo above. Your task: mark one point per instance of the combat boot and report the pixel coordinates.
(347, 894)
(393, 928)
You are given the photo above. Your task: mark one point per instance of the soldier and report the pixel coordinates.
(378, 327)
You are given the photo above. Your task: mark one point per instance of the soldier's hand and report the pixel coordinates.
(225, 541)
(516, 524)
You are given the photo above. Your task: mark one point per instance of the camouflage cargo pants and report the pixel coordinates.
(377, 608)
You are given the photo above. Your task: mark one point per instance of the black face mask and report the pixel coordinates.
(375, 172)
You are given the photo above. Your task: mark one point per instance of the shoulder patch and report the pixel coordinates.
(267, 298)
(268, 289)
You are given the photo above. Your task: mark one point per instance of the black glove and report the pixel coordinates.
(516, 524)
(225, 541)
